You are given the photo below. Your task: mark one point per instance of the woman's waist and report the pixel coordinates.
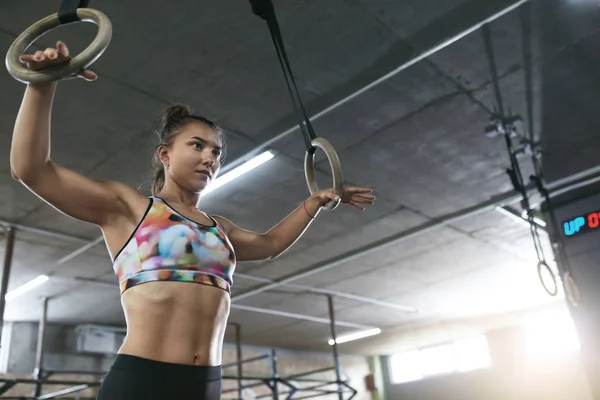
(175, 316)
(198, 353)
(166, 371)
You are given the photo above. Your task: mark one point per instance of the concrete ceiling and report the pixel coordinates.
(417, 139)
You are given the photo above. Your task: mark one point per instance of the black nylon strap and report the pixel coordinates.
(265, 10)
(262, 7)
(67, 12)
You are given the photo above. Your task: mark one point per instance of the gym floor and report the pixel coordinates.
(446, 254)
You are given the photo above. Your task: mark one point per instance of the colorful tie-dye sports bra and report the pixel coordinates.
(166, 246)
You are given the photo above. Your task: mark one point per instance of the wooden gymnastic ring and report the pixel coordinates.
(336, 169)
(67, 70)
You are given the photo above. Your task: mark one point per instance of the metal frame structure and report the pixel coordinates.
(41, 375)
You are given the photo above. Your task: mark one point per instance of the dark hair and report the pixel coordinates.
(174, 118)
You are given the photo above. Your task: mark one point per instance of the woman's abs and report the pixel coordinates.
(177, 322)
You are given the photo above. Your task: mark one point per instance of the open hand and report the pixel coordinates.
(52, 57)
(354, 196)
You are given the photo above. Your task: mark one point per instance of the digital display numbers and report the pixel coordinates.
(582, 224)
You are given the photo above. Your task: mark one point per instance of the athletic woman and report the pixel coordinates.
(174, 263)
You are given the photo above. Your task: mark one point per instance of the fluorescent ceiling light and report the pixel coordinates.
(26, 287)
(355, 336)
(522, 218)
(537, 220)
(239, 171)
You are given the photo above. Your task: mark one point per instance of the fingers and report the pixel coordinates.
(88, 75)
(61, 52)
(333, 196)
(357, 206)
(360, 196)
(51, 57)
(363, 201)
(51, 54)
(355, 190)
(31, 58)
(359, 201)
(356, 197)
(62, 49)
(25, 58)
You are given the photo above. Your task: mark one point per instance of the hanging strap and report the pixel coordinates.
(67, 12)
(265, 10)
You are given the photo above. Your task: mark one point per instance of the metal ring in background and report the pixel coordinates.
(336, 169)
(67, 70)
(546, 267)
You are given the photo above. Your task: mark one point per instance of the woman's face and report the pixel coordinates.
(193, 160)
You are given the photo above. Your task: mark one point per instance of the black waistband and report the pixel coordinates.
(153, 369)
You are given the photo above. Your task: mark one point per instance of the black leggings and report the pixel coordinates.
(136, 378)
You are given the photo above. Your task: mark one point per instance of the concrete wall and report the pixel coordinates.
(511, 376)
(61, 353)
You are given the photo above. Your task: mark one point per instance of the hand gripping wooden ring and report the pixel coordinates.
(67, 70)
(336, 169)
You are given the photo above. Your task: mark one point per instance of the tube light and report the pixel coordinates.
(238, 171)
(26, 287)
(355, 336)
(536, 219)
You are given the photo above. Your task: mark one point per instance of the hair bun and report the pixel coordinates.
(175, 113)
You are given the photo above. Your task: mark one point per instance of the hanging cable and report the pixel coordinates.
(265, 10)
(538, 177)
(505, 125)
(67, 11)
